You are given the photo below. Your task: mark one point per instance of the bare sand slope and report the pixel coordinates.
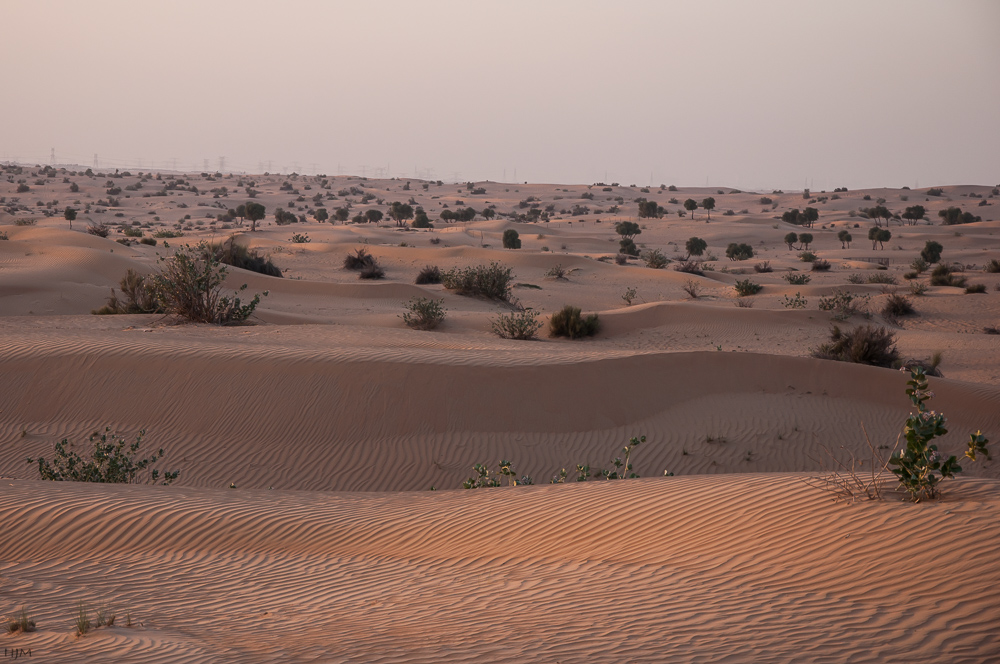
(687, 569)
(308, 408)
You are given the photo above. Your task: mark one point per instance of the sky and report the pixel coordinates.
(758, 95)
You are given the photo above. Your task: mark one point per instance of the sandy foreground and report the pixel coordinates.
(333, 420)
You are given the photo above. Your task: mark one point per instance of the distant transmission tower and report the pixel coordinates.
(52, 156)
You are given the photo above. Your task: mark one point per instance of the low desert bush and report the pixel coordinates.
(943, 276)
(797, 279)
(100, 230)
(690, 267)
(844, 304)
(82, 619)
(424, 313)
(168, 234)
(820, 265)
(521, 325)
(882, 278)
(629, 296)
(975, 288)
(763, 267)
(510, 239)
(486, 478)
(556, 272)
(371, 271)
(797, 302)
(865, 344)
(692, 288)
(918, 288)
(430, 274)
(993, 265)
(148, 241)
(240, 256)
(746, 287)
(140, 295)
(807, 257)
(128, 231)
(493, 281)
(112, 461)
(299, 238)
(621, 259)
(655, 259)
(569, 322)
(896, 305)
(358, 260)
(739, 251)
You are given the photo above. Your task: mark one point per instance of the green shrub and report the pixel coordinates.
(299, 238)
(237, 255)
(521, 325)
(568, 322)
(896, 305)
(807, 257)
(882, 278)
(844, 304)
(797, 279)
(865, 344)
(140, 293)
(109, 463)
(627, 247)
(920, 467)
(655, 259)
(797, 302)
(430, 274)
(690, 267)
(943, 276)
(511, 240)
(168, 234)
(190, 285)
(132, 232)
(485, 478)
(746, 287)
(919, 265)
(493, 281)
(423, 313)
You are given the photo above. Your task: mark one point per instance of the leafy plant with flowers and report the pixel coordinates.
(920, 467)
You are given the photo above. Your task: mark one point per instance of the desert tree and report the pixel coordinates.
(241, 212)
(810, 216)
(647, 209)
(400, 212)
(373, 216)
(878, 213)
(420, 219)
(69, 214)
(845, 239)
(709, 205)
(691, 205)
(511, 239)
(254, 212)
(879, 236)
(931, 251)
(790, 239)
(806, 239)
(488, 213)
(792, 216)
(627, 229)
(914, 213)
(695, 246)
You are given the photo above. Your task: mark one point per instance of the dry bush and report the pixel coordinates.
(569, 322)
(692, 288)
(430, 274)
(866, 344)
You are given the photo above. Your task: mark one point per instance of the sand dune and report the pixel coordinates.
(333, 420)
(669, 569)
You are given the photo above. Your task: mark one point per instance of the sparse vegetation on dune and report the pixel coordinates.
(493, 281)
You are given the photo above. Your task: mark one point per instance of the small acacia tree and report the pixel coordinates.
(845, 239)
(69, 214)
(254, 212)
(627, 229)
(931, 251)
(190, 284)
(400, 212)
(914, 213)
(695, 246)
(709, 205)
(691, 205)
(790, 239)
(879, 236)
(806, 239)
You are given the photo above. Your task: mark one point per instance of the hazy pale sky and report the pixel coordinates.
(761, 94)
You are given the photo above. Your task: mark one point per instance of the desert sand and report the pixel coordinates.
(303, 526)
